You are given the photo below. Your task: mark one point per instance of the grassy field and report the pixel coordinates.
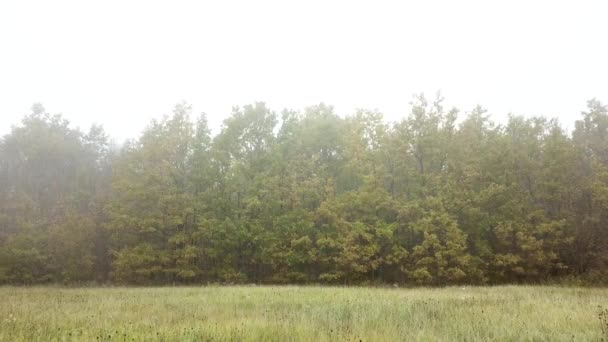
(243, 313)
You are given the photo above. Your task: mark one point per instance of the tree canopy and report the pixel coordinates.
(308, 197)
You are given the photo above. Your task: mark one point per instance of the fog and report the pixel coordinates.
(122, 63)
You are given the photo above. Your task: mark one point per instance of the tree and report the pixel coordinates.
(307, 197)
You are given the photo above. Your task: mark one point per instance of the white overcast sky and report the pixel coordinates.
(122, 63)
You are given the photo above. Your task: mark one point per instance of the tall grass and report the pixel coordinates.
(292, 313)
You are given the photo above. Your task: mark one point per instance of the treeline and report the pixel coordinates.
(307, 197)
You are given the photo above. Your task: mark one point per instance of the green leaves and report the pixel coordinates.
(312, 197)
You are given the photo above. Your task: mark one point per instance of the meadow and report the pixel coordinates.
(296, 313)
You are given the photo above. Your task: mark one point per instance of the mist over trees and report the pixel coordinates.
(307, 197)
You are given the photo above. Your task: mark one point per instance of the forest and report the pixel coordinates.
(440, 197)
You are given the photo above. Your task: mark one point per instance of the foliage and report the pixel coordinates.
(307, 197)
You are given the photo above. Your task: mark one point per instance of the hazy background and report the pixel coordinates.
(121, 63)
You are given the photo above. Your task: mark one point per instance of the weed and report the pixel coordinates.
(603, 317)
